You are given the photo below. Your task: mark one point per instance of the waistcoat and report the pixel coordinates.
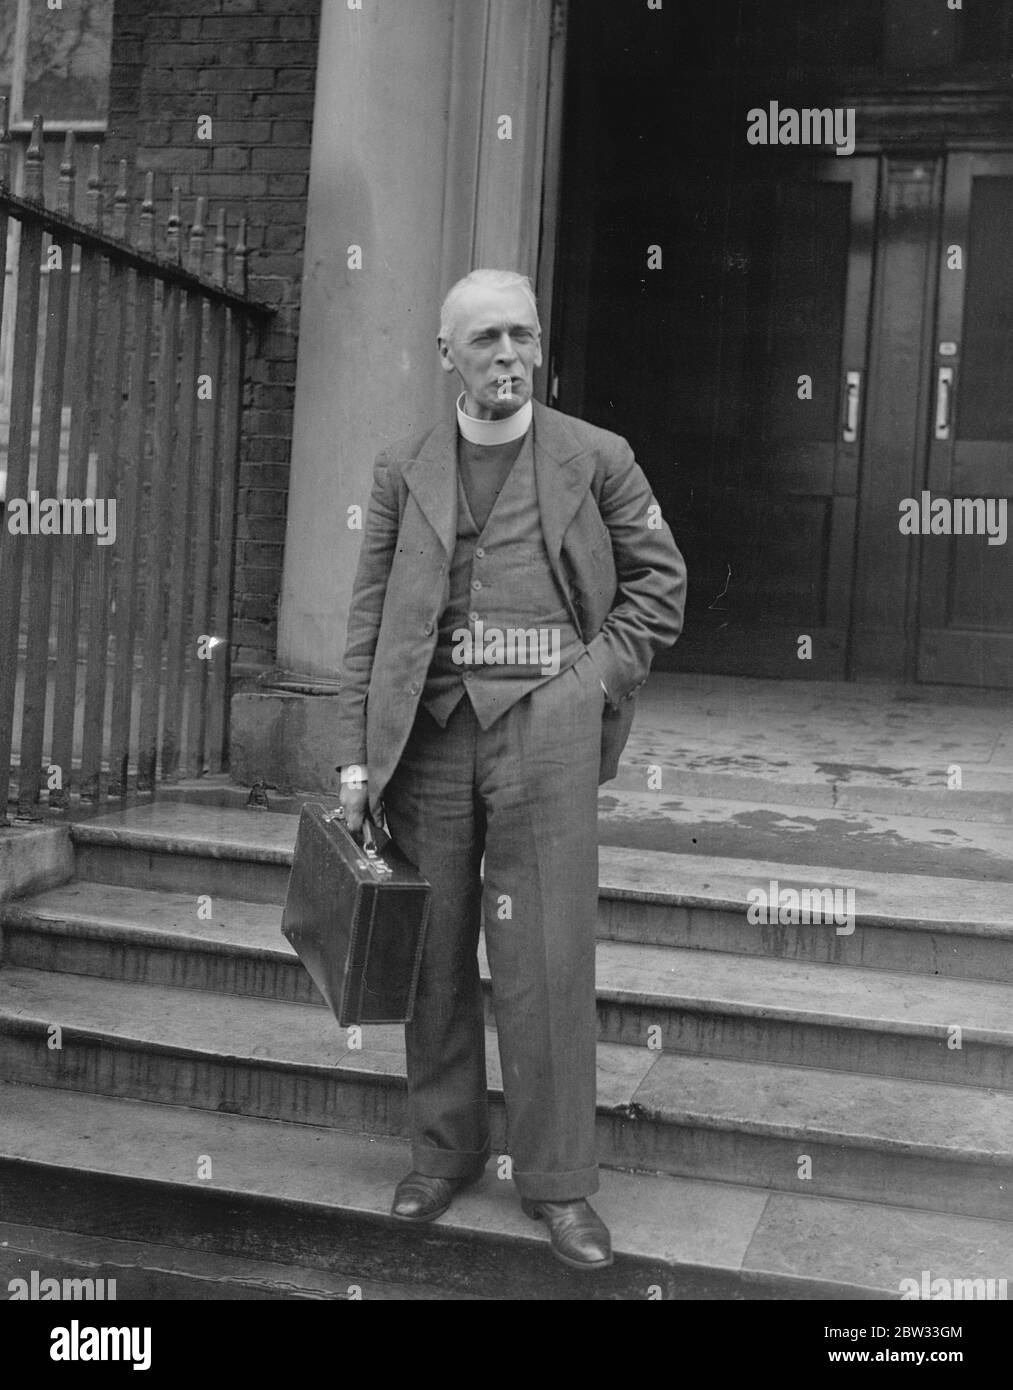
(505, 629)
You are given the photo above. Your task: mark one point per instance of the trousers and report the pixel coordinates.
(523, 794)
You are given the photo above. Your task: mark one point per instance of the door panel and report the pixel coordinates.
(764, 498)
(966, 592)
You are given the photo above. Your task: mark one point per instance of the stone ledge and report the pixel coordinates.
(283, 737)
(34, 857)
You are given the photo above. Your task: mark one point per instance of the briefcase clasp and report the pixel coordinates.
(372, 853)
(373, 860)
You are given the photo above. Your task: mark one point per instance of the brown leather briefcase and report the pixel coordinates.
(356, 915)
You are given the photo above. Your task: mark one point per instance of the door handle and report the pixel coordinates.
(944, 402)
(852, 398)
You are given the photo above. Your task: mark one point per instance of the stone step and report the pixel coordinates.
(907, 1143)
(318, 1198)
(878, 1023)
(831, 1016)
(89, 928)
(937, 844)
(99, 1268)
(945, 926)
(182, 847)
(950, 927)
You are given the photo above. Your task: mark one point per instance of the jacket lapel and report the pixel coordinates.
(431, 478)
(563, 472)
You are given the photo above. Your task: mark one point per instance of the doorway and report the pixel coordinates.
(776, 331)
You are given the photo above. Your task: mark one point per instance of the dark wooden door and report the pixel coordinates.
(764, 417)
(814, 318)
(965, 630)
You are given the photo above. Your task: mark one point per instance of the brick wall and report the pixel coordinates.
(251, 66)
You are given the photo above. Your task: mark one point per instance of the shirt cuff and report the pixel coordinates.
(354, 775)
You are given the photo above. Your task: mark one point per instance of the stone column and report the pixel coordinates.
(366, 336)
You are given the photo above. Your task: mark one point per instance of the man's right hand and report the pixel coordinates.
(355, 803)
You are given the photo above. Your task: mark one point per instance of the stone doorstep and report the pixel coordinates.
(323, 1196)
(826, 743)
(628, 973)
(830, 732)
(284, 1045)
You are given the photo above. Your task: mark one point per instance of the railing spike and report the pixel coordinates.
(67, 188)
(195, 263)
(120, 205)
(5, 143)
(172, 225)
(146, 230)
(240, 258)
(221, 247)
(93, 210)
(33, 163)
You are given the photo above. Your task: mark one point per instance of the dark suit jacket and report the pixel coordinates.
(624, 580)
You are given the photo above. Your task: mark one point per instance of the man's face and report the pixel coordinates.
(495, 337)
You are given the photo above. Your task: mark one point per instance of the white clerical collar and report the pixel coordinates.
(493, 431)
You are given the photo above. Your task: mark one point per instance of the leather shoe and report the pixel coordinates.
(419, 1197)
(579, 1236)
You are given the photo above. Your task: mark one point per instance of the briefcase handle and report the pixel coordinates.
(371, 848)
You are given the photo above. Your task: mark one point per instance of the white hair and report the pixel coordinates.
(489, 279)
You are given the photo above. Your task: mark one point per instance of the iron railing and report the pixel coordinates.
(125, 390)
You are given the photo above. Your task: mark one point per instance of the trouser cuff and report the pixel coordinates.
(557, 1187)
(447, 1163)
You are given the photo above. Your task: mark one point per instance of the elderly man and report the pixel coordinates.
(515, 581)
